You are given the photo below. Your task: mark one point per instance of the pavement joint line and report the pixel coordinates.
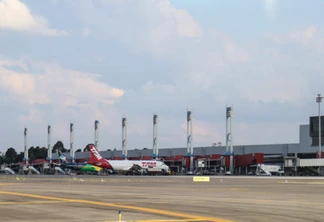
(30, 202)
(119, 206)
(6, 184)
(263, 201)
(299, 182)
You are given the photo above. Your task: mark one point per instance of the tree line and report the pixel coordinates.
(34, 153)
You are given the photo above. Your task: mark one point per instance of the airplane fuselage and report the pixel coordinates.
(125, 165)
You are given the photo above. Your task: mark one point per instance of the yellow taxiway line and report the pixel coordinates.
(159, 220)
(119, 206)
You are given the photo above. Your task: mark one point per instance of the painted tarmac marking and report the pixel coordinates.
(239, 189)
(188, 189)
(228, 189)
(142, 209)
(159, 220)
(148, 201)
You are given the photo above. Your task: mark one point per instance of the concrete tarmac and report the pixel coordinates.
(160, 198)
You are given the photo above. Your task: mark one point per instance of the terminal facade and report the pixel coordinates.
(300, 158)
(246, 157)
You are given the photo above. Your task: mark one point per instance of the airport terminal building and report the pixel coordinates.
(302, 158)
(289, 156)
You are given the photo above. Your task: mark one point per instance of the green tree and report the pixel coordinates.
(59, 146)
(19, 157)
(31, 156)
(2, 158)
(10, 155)
(42, 153)
(31, 152)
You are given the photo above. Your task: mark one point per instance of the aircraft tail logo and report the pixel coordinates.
(95, 155)
(62, 157)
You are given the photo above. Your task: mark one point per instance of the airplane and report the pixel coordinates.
(145, 166)
(80, 167)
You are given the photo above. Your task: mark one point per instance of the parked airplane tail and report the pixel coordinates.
(95, 155)
(62, 157)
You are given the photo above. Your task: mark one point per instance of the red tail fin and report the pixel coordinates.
(95, 155)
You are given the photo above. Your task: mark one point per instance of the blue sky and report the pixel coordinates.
(63, 61)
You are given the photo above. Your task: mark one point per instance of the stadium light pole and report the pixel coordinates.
(319, 100)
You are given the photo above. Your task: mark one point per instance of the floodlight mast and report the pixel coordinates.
(49, 143)
(229, 136)
(96, 134)
(25, 145)
(319, 100)
(124, 138)
(72, 153)
(189, 138)
(155, 136)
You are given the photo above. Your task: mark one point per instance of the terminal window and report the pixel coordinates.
(313, 130)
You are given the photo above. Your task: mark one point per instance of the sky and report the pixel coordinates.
(80, 61)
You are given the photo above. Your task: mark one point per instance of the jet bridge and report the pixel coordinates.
(7, 169)
(309, 162)
(33, 169)
(58, 169)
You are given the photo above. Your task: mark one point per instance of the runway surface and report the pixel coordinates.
(160, 198)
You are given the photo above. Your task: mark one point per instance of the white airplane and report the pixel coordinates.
(146, 166)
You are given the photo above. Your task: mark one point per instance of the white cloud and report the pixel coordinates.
(234, 73)
(310, 37)
(56, 85)
(48, 93)
(149, 86)
(203, 68)
(15, 15)
(303, 36)
(85, 32)
(71, 88)
(215, 63)
(34, 116)
(158, 25)
(169, 26)
(185, 24)
(290, 68)
(270, 7)
(21, 63)
(211, 61)
(168, 88)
